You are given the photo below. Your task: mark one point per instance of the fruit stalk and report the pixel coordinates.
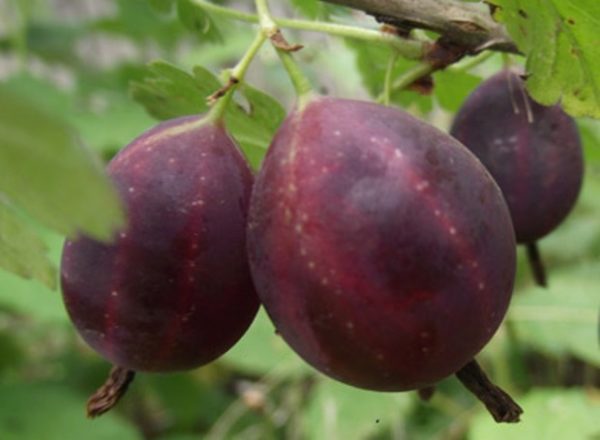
(109, 394)
(268, 26)
(236, 76)
(497, 401)
(537, 264)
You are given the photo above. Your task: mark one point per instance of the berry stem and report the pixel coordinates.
(425, 394)
(410, 76)
(408, 48)
(536, 263)
(109, 394)
(498, 403)
(268, 26)
(222, 97)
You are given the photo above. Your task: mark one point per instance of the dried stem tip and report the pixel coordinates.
(425, 394)
(279, 41)
(499, 404)
(109, 394)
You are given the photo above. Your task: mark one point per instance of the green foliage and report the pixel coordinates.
(134, 19)
(29, 412)
(262, 351)
(162, 5)
(254, 126)
(453, 87)
(372, 63)
(196, 20)
(562, 319)
(34, 300)
(339, 412)
(550, 414)
(168, 92)
(45, 170)
(559, 38)
(21, 250)
(309, 8)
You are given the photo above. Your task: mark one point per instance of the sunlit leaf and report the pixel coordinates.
(560, 39)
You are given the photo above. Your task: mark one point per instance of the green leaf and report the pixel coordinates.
(34, 300)
(372, 62)
(255, 126)
(548, 414)
(50, 412)
(163, 6)
(309, 8)
(136, 20)
(261, 350)
(560, 40)
(452, 88)
(198, 21)
(45, 170)
(562, 319)
(21, 250)
(185, 401)
(12, 354)
(339, 412)
(168, 92)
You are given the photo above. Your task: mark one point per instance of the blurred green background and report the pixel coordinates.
(76, 60)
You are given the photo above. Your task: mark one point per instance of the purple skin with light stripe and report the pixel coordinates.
(173, 291)
(380, 247)
(538, 164)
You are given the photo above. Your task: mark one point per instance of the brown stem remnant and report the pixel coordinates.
(536, 263)
(498, 403)
(468, 25)
(109, 394)
(214, 97)
(280, 42)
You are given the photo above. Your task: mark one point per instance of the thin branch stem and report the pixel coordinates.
(411, 49)
(387, 83)
(409, 77)
(237, 75)
(264, 18)
(269, 28)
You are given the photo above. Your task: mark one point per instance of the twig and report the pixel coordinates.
(498, 403)
(464, 24)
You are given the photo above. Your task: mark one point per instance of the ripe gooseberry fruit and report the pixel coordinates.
(532, 151)
(173, 291)
(380, 247)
